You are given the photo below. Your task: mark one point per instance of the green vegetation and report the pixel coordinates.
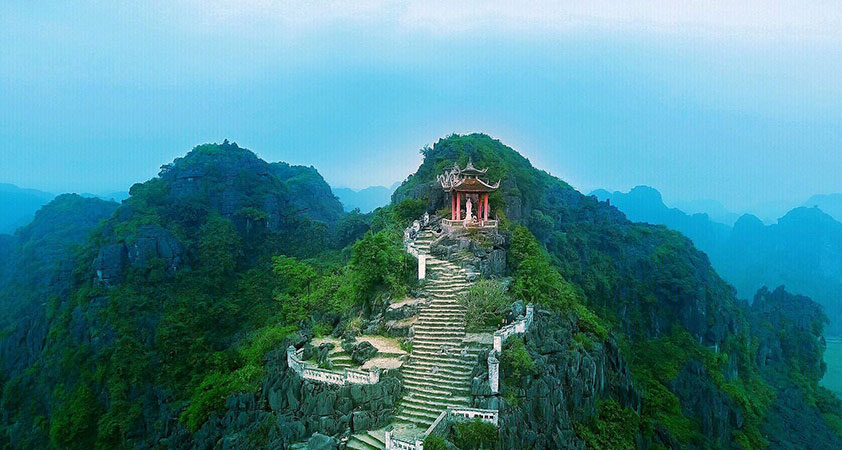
(614, 428)
(474, 435)
(433, 442)
(486, 302)
(225, 259)
(833, 356)
(203, 297)
(516, 362)
(240, 372)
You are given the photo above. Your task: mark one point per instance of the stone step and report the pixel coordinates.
(425, 372)
(444, 308)
(452, 331)
(412, 417)
(425, 369)
(454, 400)
(448, 370)
(442, 320)
(364, 441)
(452, 361)
(433, 338)
(458, 282)
(453, 384)
(440, 393)
(432, 411)
(426, 415)
(436, 403)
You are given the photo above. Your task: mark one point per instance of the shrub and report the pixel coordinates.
(515, 361)
(486, 303)
(475, 434)
(615, 427)
(380, 261)
(433, 442)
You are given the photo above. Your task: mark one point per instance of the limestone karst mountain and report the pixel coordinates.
(802, 250)
(18, 206)
(231, 303)
(366, 200)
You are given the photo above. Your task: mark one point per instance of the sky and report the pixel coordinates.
(702, 100)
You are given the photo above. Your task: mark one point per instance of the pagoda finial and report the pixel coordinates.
(470, 165)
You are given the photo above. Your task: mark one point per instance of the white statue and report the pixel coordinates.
(468, 207)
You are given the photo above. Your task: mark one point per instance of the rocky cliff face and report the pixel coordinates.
(290, 409)
(482, 255)
(570, 377)
(37, 264)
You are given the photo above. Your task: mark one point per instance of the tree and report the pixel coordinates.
(219, 247)
(380, 261)
(296, 275)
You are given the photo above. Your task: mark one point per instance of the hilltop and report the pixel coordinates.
(181, 305)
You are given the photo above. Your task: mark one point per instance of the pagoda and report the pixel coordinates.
(468, 193)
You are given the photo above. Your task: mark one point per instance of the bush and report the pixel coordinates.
(218, 385)
(515, 361)
(433, 442)
(475, 434)
(408, 210)
(380, 261)
(486, 302)
(614, 428)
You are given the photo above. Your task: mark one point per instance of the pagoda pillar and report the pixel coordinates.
(452, 205)
(485, 208)
(458, 206)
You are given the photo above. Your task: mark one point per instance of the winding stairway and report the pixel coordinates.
(438, 373)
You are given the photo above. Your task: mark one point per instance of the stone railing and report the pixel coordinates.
(521, 325)
(472, 225)
(340, 378)
(439, 427)
(486, 415)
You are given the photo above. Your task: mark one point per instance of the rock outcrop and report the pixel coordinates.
(567, 382)
(482, 256)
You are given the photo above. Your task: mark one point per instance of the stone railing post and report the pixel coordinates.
(494, 374)
(388, 440)
(498, 341)
(530, 312)
(422, 266)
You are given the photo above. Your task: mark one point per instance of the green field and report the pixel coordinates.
(833, 378)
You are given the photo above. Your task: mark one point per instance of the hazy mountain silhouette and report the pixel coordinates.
(829, 203)
(802, 250)
(367, 199)
(18, 206)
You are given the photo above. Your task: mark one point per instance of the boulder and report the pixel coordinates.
(321, 442)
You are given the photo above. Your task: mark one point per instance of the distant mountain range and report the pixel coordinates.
(18, 205)
(829, 203)
(803, 250)
(366, 200)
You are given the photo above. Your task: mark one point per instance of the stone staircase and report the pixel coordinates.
(340, 359)
(438, 373)
(369, 440)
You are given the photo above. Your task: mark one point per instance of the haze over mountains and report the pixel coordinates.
(18, 205)
(802, 250)
(367, 199)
